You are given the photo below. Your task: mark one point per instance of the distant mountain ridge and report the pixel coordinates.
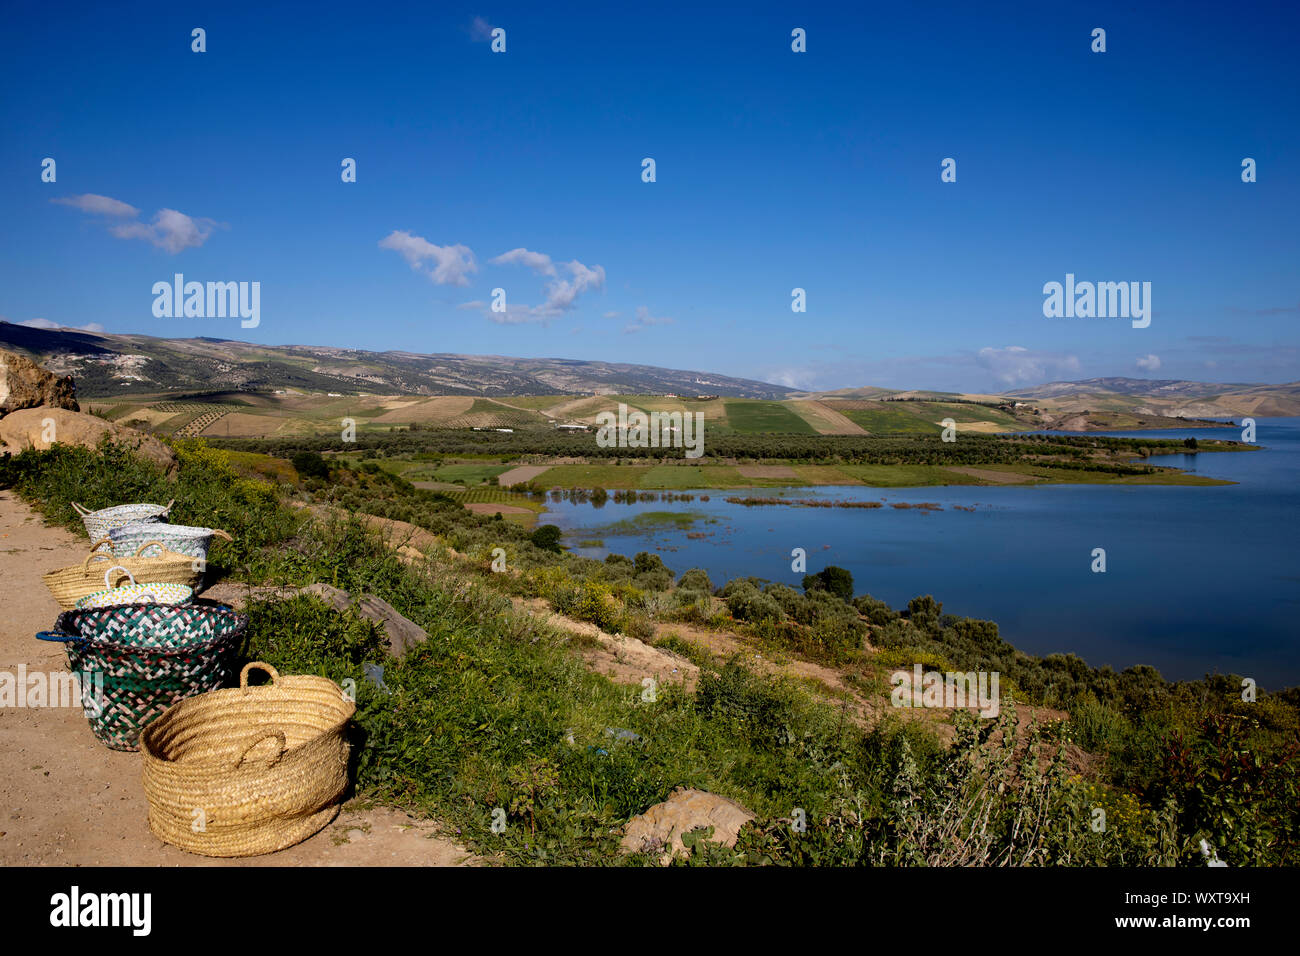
(108, 364)
(105, 364)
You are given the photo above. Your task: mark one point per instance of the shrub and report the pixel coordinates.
(837, 581)
(546, 537)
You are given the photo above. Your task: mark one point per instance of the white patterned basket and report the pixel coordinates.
(100, 523)
(180, 538)
(155, 593)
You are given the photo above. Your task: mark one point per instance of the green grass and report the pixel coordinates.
(592, 476)
(755, 417)
(648, 521)
(662, 477)
(908, 476)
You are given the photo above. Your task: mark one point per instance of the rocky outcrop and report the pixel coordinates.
(24, 384)
(400, 632)
(40, 428)
(660, 829)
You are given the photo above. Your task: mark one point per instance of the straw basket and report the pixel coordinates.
(146, 657)
(180, 538)
(100, 523)
(248, 770)
(71, 584)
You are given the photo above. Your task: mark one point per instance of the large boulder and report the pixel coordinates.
(24, 384)
(660, 829)
(39, 428)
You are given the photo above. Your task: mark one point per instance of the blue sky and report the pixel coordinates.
(775, 170)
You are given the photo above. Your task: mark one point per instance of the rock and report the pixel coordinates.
(401, 632)
(24, 384)
(660, 828)
(40, 427)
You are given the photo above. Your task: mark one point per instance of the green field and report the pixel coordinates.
(474, 474)
(889, 418)
(755, 417)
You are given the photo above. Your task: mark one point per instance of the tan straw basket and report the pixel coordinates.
(69, 585)
(248, 770)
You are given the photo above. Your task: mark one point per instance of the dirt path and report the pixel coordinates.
(66, 799)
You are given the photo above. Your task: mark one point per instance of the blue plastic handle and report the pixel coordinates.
(56, 636)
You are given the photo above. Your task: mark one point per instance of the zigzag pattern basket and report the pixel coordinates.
(100, 523)
(182, 539)
(148, 656)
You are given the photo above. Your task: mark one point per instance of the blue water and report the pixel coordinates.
(1197, 580)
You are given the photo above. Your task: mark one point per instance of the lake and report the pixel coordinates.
(1197, 580)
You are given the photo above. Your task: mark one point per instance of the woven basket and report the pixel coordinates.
(248, 770)
(164, 655)
(180, 538)
(71, 584)
(100, 523)
(153, 592)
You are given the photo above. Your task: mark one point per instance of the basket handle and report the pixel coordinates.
(222, 534)
(80, 510)
(168, 508)
(56, 636)
(117, 567)
(279, 734)
(94, 548)
(139, 552)
(243, 675)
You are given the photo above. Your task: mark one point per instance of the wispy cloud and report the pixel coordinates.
(561, 293)
(539, 262)
(1149, 363)
(170, 230)
(47, 324)
(645, 320)
(451, 265)
(98, 205)
(1016, 365)
(480, 31)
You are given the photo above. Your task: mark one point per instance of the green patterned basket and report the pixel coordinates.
(147, 657)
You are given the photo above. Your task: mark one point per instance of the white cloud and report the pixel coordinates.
(99, 205)
(1149, 363)
(480, 30)
(1016, 365)
(539, 262)
(645, 320)
(170, 230)
(452, 264)
(47, 324)
(610, 315)
(561, 294)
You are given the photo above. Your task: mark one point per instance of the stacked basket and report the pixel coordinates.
(129, 624)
